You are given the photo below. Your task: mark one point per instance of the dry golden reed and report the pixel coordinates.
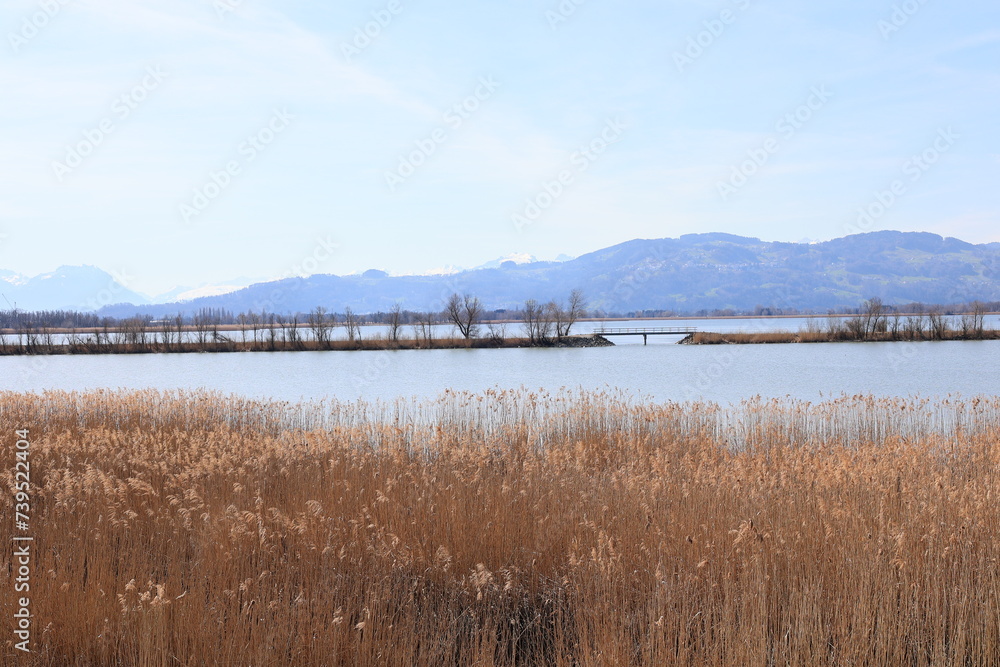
(509, 528)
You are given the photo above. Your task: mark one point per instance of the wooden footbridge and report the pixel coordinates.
(645, 331)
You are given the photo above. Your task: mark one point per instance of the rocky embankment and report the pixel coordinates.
(587, 340)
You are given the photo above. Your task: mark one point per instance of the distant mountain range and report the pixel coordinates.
(78, 288)
(692, 273)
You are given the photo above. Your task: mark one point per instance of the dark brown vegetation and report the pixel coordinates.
(508, 529)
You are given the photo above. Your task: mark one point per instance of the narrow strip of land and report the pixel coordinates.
(223, 344)
(780, 337)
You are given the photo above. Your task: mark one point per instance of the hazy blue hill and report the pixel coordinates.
(694, 272)
(78, 288)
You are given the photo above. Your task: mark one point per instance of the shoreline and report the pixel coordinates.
(226, 346)
(304, 326)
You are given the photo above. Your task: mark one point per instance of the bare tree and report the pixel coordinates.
(241, 319)
(256, 322)
(895, 324)
(973, 320)
(106, 325)
(320, 324)
(424, 327)
(202, 323)
(134, 331)
(857, 327)
(280, 321)
(395, 322)
(166, 334)
(118, 335)
(915, 326)
(553, 319)
(531, 317)
(979, 311)
(179, 329)
(834, 325)
(938, 324)
(352, 324)
(293, 336)
(72, 340)
(47, 339)
(873, 316)
(465, 312)
(497, 332)
(556, 317)
(272, 333)
(21, 328)
(576, 308)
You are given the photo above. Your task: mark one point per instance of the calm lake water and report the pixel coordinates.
(660, 371)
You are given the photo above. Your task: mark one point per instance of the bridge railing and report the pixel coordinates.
(622, 331)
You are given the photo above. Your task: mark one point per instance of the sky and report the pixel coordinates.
(181, 142)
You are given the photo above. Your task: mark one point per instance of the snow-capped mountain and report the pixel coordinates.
(187, 293)
(515, 257)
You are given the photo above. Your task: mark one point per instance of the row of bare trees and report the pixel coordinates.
(541, 322)
(877, 321)
(544, 321)
(208, 330)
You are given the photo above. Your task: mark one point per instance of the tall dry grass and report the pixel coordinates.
(710, 338)
(509, 528)
(839, 336)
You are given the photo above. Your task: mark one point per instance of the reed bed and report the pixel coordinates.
(509, 528)
(710, 338)
(838, 336)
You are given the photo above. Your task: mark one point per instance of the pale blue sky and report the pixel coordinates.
(678, 119)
